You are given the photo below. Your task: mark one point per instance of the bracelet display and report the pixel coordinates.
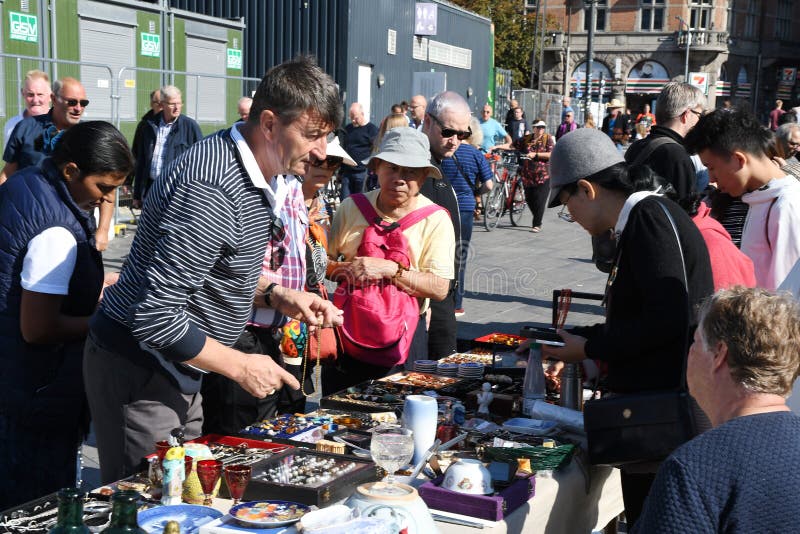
(268, 294)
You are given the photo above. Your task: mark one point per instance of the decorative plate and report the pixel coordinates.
(268, 513)
(189, 516)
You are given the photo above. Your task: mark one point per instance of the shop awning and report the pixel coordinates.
(645, 85)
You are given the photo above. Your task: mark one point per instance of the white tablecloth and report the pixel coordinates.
(560, 504)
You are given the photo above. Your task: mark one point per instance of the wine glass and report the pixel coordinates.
(208, 472)
(237, 477)
(392, 447)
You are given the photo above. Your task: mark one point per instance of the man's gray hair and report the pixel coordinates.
(676, 98)
(784, 131)
(58, 84)
(244, 99)
(447, 100)
(295, 87)
(168, 92)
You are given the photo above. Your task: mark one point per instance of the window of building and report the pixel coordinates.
(700, 14)
(783, 23)
(652, 15)
(530, 4)
(750, 18)
(602, 11)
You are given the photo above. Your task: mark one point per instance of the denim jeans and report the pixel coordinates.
(462, 249)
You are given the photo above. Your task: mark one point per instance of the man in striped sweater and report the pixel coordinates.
(188, 286)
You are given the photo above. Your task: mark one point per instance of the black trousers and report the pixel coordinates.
(635, 488)
(536, 197)
(443, 328)
(228, 408)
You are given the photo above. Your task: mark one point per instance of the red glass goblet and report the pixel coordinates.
(187, 465)
(237, 477)
(209, 473)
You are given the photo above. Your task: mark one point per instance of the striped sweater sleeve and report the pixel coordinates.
(198, 225)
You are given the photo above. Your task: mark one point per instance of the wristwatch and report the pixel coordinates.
(268, 294)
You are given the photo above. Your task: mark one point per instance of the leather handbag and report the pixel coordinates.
(641, 427)
(324, 344)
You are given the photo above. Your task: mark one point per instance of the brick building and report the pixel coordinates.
(748, 49)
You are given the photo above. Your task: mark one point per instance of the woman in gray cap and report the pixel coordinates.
(649, 311)
(402, 164)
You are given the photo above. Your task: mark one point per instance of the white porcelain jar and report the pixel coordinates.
(403, 507)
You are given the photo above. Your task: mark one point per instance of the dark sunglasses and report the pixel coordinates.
(72, 102)
(450, 132)
(277, 231)
(277, 234)
(330, 163)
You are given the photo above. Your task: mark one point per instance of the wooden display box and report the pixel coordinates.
(313, 494)
(490, 507)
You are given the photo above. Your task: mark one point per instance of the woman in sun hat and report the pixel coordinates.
(535, 170)
(649, 312)
(402, 164)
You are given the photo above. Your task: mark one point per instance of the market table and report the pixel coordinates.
(561, 504)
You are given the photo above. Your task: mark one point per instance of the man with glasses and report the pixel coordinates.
(678, 108)
(227, 407)
(166, 136)
(417, 107)
(192, 276)
(493, 132)
(35, 138)
(36, 94)
(446, 125)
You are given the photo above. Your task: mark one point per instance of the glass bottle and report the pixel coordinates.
(70, 513)
(123, 514)
(533, 387)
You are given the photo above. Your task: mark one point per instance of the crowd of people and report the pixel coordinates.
(700, 202)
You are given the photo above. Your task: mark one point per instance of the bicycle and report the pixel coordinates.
(507, 195)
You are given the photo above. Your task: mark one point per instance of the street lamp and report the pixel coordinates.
(688, 45)
(592, 4)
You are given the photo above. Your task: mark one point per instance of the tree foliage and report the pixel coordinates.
(514, 35)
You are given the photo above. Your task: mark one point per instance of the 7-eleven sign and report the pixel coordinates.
(699, 80)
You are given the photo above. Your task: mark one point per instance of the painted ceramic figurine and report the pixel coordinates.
(485, 398)
(174, 475)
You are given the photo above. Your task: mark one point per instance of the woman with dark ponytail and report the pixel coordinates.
(649, 312)
(51, 276)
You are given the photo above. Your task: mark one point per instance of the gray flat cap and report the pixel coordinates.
(577, 155)
(406, 147)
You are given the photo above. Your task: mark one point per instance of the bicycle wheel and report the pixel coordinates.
(518, 203)
(493, 208)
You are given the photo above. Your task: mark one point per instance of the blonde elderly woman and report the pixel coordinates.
(402, 164)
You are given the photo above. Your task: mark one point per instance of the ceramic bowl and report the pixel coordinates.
(468, 476)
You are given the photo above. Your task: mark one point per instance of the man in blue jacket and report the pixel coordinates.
(166, 136)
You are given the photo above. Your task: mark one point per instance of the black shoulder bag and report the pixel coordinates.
(641, 427)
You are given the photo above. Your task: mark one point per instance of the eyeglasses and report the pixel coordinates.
(72, 102)
(277, 234)
(563, 214)
(330, 163)
(698, 113)
(450, 132)
(793, 145)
